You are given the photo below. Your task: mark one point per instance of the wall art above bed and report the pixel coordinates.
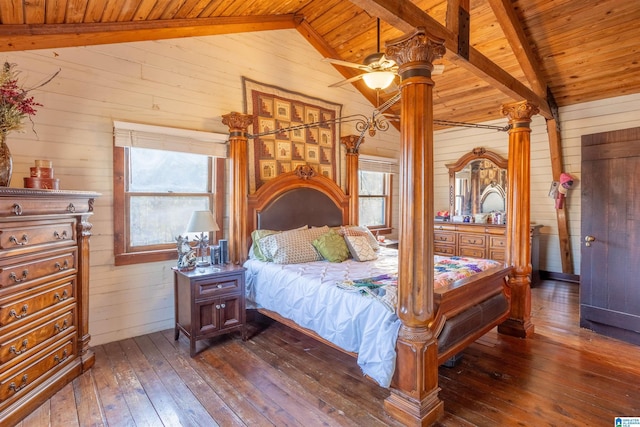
(279, 152)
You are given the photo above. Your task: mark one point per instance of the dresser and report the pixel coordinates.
(209, 301)
(482, 241)
(44, 295)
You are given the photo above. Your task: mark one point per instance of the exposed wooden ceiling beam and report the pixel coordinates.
(406, 16)
(45, 36)
(513, 31)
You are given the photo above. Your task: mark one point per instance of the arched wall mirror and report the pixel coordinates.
(477, 184)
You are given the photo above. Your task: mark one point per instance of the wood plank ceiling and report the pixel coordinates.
(580, 50)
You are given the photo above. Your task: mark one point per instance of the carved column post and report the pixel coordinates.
(83, 230)
(518, 218)
(238, 233)
(414, 396)
(350, 142)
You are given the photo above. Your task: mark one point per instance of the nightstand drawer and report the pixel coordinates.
(222, 285)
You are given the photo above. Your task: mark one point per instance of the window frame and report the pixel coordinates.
(385, 228)
(131, 135)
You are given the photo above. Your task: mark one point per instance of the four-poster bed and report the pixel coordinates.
(434, 323)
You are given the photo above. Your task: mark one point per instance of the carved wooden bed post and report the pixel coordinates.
(238, 234)
(352, 176)
(414, 396)
(518, 218)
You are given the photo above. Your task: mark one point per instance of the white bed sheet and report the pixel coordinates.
(308, 295)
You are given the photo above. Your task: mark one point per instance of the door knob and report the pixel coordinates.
(588, 240)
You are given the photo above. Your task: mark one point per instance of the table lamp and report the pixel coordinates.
(202, 222)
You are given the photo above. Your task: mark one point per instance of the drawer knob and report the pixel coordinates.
(22, 242)
(64, 266)
(71, 208)
(17, 209)
(23, 312)
(13, 276)
(64, 296)
(16, 388)
(24, 347)
(59, 236)
(219, 306)
(219, 285)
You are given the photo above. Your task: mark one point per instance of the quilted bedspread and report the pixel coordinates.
(322, 296)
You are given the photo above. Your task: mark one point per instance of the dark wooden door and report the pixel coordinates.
(610, 264)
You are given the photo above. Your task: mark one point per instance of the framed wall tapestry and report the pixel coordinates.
(271, 152)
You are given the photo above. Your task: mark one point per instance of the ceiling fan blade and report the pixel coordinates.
(347, 64)
(344, 82)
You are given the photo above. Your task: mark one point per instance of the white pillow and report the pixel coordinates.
(360, 248)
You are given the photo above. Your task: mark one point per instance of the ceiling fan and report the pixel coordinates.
(379, 71)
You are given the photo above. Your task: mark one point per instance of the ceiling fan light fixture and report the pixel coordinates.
(378, 79)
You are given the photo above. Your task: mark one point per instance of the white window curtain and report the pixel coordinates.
(171, 139)
(378, 164)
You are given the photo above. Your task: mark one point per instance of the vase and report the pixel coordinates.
(6, 163)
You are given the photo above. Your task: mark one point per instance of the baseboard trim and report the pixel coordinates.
(563, 277)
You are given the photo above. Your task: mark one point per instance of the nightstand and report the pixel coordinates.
(388, 243)
(209, 301)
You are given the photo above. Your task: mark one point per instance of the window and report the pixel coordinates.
(156, 190)
(375, 192)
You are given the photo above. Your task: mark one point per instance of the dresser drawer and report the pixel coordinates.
(42, 365)
(448, 250)
(50, 265)
(497, 254)
(33, 235)
(444, 237)
(472, 240)
(36, 300)
(222, 285)
(26, 342)
(497, 242)
(472, 252)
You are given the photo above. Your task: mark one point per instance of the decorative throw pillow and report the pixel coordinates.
(332, 247)
(255, 252)
(360, 248)
(292, 247)
(256, 235)
(356, 230)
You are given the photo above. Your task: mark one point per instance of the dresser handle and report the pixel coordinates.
(22, 242)
(59, 236)
(58, 359)
(17, 209)
(15, 351)
(15, 278)
(16, 388)
(64, 296)
(59, 329)
(23, 312)
(64, 266)
(71, 208)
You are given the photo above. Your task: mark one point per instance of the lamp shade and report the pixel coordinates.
(202, 221)
(378, 79)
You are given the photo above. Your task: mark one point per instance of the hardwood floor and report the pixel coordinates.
(564, 375)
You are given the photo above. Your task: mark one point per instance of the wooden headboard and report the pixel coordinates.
(293, 199)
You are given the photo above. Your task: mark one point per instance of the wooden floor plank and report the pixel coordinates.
(115, 408)
(140, 406)
(187, 386)
(63, 408)
(90, 413)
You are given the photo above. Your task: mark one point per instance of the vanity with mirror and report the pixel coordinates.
(477, 207)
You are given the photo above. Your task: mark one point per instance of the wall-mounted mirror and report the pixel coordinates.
(477, 184)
